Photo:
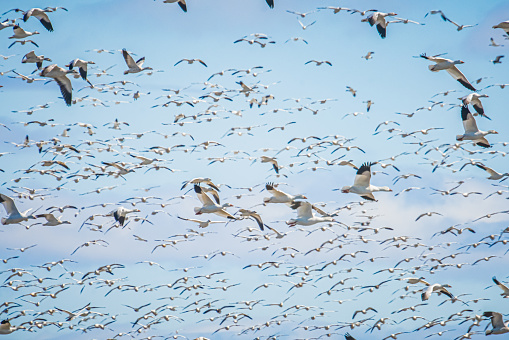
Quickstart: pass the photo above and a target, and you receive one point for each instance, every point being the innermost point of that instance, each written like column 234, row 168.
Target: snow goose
column 134, row 67
column 120, row 214
column 81, row 65
column 31, row 57
column 59, row 75
column 361, row 184
column 494, row 175
column 52, row 220
column 271, row 160
column 436, row 288
column 474, row 100
column 209, row 207
column 279, row 196
column 471, row 131
column 449, row 66
column 6, row 23
column 305, row 214
column 14, row 215
column 503, row 25
column 502, row 286
column 497, row 321
column 20, row 33
column 181, row 3
column 253, row 214
column 378, row 19
column 39, row 14
column 191, row 61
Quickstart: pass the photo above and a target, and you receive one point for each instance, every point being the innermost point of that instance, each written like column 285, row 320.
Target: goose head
column 345, row 189
column 300, row 197
column 384, row 189
column 492, row 132
column 458, row 62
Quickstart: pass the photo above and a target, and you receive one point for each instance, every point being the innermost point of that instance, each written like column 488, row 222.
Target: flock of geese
column 249, row 245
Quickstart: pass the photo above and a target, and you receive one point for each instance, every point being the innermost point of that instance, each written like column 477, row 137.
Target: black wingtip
column 197, row 189
column 365, row 167
column 466, row 84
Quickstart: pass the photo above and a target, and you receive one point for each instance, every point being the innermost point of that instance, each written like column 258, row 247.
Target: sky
column 397, row 82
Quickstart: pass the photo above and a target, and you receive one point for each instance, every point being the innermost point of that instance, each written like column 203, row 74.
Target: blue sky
column 395, row 79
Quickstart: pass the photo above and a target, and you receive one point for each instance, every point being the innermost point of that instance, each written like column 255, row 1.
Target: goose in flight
column 305, row 215
column 494, row 175
column 254, row 215
column 39, row 14
column 436, row 288
column 503, row 25
column 51, row 220
column 120, row 214
column 182, row 3
column 497, row 321
column 59, row 74
column 474, row 100
column 82, row 66
column 471, row 131
column 449, row 66
column 20, row 33
column 378, row 19
column 318, row 63
column 6, row 328
column 31, row 57
column 134, row 67
column 209, row 206
column 191, row 61
column 14, row 215
column 497, row 59
column 362, row 184
column 279, row 196
column 502, row 286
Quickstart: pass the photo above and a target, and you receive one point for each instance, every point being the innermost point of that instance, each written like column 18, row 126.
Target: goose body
column 59, row 74
column 279, row 196
column 378, row 19
column 134, row 67
column 305, row 215
column 503, row 25
column 362, row 186
column 436, row 288
column 31, row 57
column 14, row 216
column 472, row 132
column 120, row 214
column 450, row 67
column 209, row 206
column 20, row 33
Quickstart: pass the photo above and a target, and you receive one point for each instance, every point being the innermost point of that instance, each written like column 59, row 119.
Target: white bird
column 497, row 321
column 20, row 33
column 431, row 213
column 134, row 67
column 191, row 61
column 31, row 57
column 120, row 214
column 362, row 184
column 201, row 224
column 82, row 66
column 306, row 26
column 305, row 214
column 503, row 25
column 436, row 288
column 472, row 132
column 449, row 66
column 59, row 74
column 14, row 215
column 279, row 196
column 181, row 3
column 494, row 175
column 210, row 207
column 378, row 19
column 52, row 220
column 39, row 14
column 474, row 100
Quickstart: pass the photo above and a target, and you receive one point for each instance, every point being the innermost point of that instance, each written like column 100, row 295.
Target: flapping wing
column 363, row 175
column 496, row 319
column 468, row 120
column 128, row 59
column 303, row 208
column 453, row 71
column 8, row 204
column 202, row 196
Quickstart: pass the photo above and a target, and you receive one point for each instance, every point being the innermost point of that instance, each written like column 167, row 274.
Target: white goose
column 279, row 196
column 82, row 66
column 14, row 215
column 494, row 175
column 362, row 186
column 305, row 214
column 378, row 19
column 20, row 33
column 436, row 288
column 134, row 67
column 52, row 220
column 59, row 74
column 503, row 25
column 31, row 57
column 473, row 99
column 209, row 206
column 471, row 131
column 497, row 321
column 120, row 214
column 41, row 15
column 449, row 66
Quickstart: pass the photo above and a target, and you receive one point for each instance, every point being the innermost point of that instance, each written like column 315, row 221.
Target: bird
column 431, row 213
column 20, row 33
column 134, row 67
column 39, row 14
column 474, row 100
column 279, row 196
column 497, row 59
column 59, row 74
column 362, row 184
column 305, row 215
column 378, row 19
column 191, row 61
column 14, row 216
column 254, row 215
column 503, row 25
column 306, row 26
column 120, row 214
column 52, row 220
column 6, row 328
column 472, row 132
column 505, row 290
column 209, row 206
column 82, row 66
column 369, row 55
column 450, row 67
column 497, row 322
column 181, row 3
column 494, row 175
column 318, row 63
column 31, row 57
column 436, row 288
